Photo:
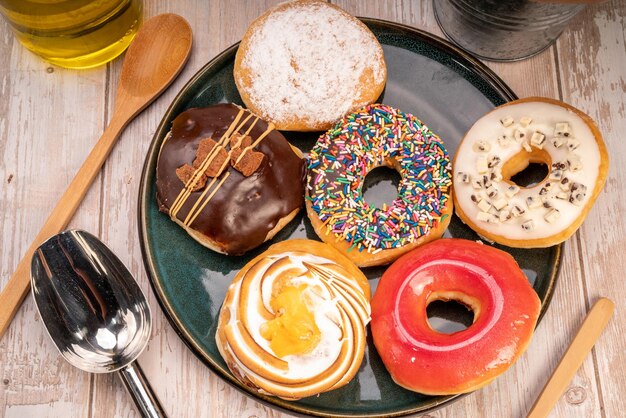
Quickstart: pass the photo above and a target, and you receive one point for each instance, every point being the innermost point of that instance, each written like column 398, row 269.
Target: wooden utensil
column 153, row 60
column 595, row 322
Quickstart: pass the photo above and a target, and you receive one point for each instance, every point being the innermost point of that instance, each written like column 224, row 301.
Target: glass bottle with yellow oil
column 74, row 33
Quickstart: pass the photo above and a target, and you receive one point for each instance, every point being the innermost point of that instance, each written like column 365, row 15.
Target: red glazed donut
column 485, row 279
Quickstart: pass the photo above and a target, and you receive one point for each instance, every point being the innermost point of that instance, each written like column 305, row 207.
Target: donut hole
column 527, row 169
column 532, row 175
column 448, row 316
column 381, row 186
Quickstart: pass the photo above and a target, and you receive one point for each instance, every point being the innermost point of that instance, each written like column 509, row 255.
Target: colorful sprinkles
column 357, row 144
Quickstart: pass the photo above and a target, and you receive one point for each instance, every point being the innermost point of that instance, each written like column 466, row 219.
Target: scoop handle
column 140, row 390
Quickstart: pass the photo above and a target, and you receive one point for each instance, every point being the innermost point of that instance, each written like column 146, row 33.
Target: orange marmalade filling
column 293, row 329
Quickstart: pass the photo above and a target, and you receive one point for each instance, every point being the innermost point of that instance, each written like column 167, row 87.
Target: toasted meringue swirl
column 341, row 311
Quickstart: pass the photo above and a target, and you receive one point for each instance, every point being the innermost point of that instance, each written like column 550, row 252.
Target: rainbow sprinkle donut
column 378, row 135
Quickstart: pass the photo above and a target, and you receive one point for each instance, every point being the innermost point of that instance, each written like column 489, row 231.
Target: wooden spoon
column 153, row 60
column 595, row 322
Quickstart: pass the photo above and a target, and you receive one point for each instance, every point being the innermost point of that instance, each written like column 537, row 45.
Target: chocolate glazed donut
column 238, row 213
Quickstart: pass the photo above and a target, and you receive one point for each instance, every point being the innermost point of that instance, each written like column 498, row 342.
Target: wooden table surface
column 50, row 117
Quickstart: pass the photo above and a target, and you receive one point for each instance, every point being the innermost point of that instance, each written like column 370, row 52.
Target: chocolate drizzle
column 242, row 210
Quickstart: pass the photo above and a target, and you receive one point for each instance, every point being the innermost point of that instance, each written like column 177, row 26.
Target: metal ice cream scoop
column 94, row 310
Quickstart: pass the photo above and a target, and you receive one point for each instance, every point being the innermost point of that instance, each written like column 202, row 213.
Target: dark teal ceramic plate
column 428, row 77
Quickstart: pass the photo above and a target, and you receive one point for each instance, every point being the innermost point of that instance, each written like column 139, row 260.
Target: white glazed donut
column 313, row 343
column 503, row 143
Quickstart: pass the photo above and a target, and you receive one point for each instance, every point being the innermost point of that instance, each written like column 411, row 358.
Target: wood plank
column 44, row 137
column 593, row 78
column 183, row 383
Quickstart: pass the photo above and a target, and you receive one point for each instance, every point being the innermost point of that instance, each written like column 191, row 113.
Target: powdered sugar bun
column 304, row 64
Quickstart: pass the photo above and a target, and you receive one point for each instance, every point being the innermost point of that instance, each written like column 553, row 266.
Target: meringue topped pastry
column 293, row 320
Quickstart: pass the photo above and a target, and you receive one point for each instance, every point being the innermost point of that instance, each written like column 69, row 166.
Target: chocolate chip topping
column 243, row 209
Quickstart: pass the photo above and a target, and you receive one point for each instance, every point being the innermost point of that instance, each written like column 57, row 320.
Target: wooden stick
column 595, row 322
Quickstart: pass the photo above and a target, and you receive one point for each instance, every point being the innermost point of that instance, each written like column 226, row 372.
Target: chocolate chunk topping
column 529, row 225
column 185, row 173
column 481, row 165
column 577, row 198
column 249, row 163
column 574, row 163
column 204, row 149
column 217, row 157
column 500, row 203
column 552, row 215
column 206, row 152
column 487, row 217
column 557, row 142
column 556, row 175
column 579, row 186
column 518, row 211
column 481, row 146
column 217, row 165
column 538, row 139
column 562, row 129
column 494, row 161
column 507, row 121
column 532, row 202
column 484, row 205
column 240, row 141
column 505, row 215
column 572, row 144
column 512, row 190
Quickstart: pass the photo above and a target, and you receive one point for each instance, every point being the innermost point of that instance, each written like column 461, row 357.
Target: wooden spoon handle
column 595, row 322
column 14, row 292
